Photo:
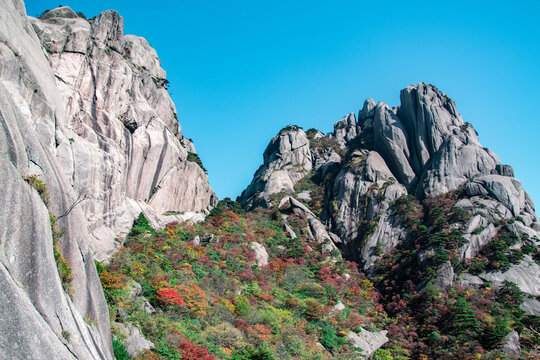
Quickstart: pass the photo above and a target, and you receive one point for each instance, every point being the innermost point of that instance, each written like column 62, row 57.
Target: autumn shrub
column 226, row 335
column 314, row 310
column 194, row 297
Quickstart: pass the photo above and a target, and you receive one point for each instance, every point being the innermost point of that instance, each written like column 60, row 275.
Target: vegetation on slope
column 458, row 322
column 214, row 302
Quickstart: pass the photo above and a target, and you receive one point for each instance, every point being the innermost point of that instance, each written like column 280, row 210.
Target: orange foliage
column 112, row 281
column 194, row 297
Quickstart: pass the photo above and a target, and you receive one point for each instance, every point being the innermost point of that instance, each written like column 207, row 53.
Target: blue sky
column 242, row 70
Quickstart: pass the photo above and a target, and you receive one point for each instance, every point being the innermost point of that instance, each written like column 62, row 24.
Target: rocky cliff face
column 287, row 159
column 118, row 140
column 89, row 137
column 422, row 148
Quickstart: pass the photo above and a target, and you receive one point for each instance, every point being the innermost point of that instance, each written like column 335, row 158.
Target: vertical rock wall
column 85, row 117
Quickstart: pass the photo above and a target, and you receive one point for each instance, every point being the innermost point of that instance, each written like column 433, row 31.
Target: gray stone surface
column 362, row 191
column 345, row 129
column 531, row 306
column 367, row 111
column 287, row 159
column 261, row 256
column 369, row 342
column 526, row 275
column 391, row 141
column 511, row 344
column 118, row 141
column 135, row 341
column 504, row 170
column 469, row 280
column 445, row 276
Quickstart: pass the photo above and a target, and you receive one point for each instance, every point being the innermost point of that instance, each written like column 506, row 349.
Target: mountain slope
column 411, row 195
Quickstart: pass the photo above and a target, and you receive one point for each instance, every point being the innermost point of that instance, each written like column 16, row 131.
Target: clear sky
column 242, row 70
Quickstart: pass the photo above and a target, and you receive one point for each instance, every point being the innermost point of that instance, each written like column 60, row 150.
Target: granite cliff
column 89, row 139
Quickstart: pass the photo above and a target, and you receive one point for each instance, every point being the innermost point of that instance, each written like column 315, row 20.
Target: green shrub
column 120, row 351
column 38, row 185
column 140, row 226
column 329, row 338
column 193, row 157
column 383, row 354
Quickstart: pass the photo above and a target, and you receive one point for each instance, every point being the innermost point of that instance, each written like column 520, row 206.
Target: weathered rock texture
column 423, row 148
column 369, row 342
column 287, row 159
column 84, row 109
column 117, row 139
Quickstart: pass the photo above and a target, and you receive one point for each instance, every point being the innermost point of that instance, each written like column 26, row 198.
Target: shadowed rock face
column 84, row 109
column 423, row 148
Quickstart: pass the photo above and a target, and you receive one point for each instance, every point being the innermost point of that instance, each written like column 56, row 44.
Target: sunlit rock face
column 118, row 140
column 287, row 159
column 422, row 148
column 84, row 111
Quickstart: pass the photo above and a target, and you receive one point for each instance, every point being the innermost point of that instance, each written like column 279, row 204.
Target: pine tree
column 494, row 334
column 465, row 324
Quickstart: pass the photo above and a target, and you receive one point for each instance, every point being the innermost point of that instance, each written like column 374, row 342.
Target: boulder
column 345, row 129
column 368, row 342
column 367, row 112
column 511, row 344
column 261, row 256
column 503, row 170
column 135, row 342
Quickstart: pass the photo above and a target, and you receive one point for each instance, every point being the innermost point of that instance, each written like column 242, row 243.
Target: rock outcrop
column 89, row 139
column 287, row 159
column 117, row 138
column 422, row 148
column 368, row 342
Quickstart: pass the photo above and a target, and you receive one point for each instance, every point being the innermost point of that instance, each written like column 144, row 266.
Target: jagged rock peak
column 287, row 159
column 345, row 129
column 424, row 148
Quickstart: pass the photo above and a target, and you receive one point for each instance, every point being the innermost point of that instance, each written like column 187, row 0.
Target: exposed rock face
column 511, row 344
column 345, row 130
column 135, row 341
column 526, row 275
column 422, row 148
column 84, row 111
column 287, row 159
column 369, row 342
column 362, row 191
column 118, row 140
column 261, row 256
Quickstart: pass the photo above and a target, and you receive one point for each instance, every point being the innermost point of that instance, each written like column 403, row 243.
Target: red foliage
column 242, row 324
column 266, row 297
column 170, row 296
column 194, row 352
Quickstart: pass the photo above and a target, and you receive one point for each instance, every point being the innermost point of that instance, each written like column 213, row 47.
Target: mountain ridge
column 398, row 216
